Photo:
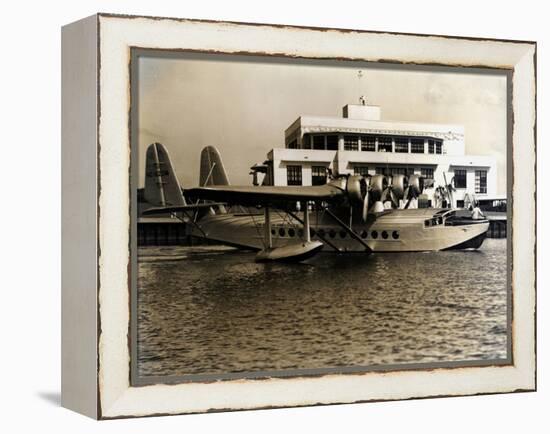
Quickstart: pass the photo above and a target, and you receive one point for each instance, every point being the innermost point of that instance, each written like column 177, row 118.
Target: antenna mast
column 362, row 98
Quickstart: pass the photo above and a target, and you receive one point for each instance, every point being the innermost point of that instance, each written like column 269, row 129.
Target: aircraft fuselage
column 400, row 230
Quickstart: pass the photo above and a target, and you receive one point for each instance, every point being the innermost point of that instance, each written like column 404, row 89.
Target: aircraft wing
column 265, row 194
column 177, row 208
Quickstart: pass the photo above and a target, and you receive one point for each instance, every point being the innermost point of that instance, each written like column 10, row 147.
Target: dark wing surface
column 182, row 208
column 265, row 195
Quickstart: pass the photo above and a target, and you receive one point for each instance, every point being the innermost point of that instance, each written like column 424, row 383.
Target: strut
column 349, row 230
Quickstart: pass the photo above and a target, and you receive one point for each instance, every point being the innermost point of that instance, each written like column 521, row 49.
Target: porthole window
column 273, row 231
column 312, row 232
column 374, row 234
column 364, row 234
column 332, row 233
column 281, row 232
column 321, row 232
column 385, row 235
column 343, row 234
column 300, row 233
column 395, row 235
column 291, row 232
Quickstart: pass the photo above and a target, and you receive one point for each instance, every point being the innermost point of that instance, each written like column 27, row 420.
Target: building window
column 427, row 172
column 417, row 146
column 460, row 178
column 390, row 171
column 294, row 175
column 435, row 146
column 351, row 143
column 361, row 170
column 401, row 145
column 332, row 143
column 398, row 171
column 318, row 175
column 293, row 144
column 368, row 143
column 384, row 144
column 306, row 142
column 481, row 181
column 318, row 142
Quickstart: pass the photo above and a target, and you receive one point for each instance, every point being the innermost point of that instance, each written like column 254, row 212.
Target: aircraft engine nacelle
column 416, row 185
column 357, row 189
column 379, row 183
column 399, row 185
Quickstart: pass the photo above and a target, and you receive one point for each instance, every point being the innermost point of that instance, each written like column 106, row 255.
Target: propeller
column 414, row 189
column 358, row 193
column 388, row 194
column 394, row 189
column 380, row 188
column 449, row 188
column 366, row 202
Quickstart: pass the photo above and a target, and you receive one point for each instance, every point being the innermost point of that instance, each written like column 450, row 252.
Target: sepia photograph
column 296, row 217
column 259, row 216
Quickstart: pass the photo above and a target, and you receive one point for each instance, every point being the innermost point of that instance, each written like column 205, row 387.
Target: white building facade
column 361, row 143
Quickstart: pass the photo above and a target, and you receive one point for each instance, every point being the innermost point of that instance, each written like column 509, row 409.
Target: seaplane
column 348, row 214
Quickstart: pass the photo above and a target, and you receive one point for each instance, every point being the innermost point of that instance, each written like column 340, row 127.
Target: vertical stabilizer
column 212, row 171
column 161, row 185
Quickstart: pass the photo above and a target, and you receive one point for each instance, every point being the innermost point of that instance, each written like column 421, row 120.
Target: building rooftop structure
column 360, row 142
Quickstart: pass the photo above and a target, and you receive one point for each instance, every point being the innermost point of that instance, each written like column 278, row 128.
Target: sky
column 243, row 104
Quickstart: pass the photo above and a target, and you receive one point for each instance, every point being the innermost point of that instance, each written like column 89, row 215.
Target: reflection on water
column 213, row 310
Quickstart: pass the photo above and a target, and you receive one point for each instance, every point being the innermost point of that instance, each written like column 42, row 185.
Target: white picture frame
column 96, row 260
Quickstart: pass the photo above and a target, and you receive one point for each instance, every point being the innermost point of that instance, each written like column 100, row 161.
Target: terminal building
column 360, row 142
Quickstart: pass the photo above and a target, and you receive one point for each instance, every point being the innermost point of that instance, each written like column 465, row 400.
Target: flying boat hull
column 410, row 230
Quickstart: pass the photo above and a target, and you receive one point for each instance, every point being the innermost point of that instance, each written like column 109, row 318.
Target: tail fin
column 212, row 171
column 161, row 185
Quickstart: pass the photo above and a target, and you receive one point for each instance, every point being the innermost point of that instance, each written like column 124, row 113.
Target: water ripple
column 213, row 310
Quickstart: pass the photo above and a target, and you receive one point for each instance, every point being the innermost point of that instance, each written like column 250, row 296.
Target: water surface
column 213, row 310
